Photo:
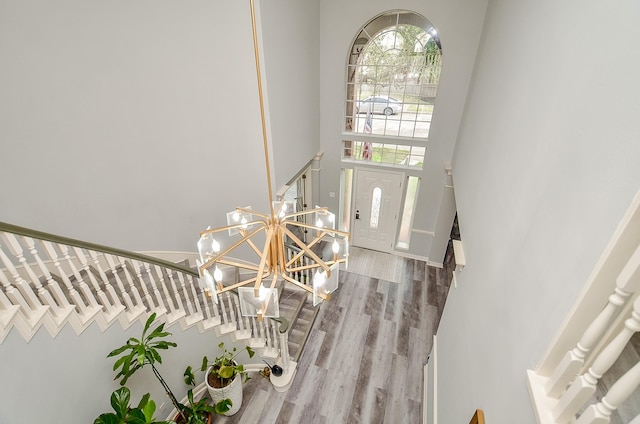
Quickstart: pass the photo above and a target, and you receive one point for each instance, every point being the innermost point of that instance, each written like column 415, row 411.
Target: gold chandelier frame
column 276, row 227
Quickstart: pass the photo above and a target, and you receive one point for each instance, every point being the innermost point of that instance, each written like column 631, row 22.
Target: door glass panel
column 375, row 207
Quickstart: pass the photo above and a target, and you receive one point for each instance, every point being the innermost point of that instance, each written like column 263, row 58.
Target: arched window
column 392, row 81
column 393, row 71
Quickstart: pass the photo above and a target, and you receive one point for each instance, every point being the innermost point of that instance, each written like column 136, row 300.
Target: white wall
column 290, row 31
column 136, row 124
column 133, row 113
column 544, row 169
column 459, row 24
column 69, row 379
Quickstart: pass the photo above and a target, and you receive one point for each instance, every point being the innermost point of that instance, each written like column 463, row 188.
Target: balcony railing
column 564, row 387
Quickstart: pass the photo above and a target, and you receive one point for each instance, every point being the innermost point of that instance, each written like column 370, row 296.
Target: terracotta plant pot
column 231, row 391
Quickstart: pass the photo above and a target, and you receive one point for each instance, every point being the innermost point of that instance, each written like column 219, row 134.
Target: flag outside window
column 367, row 150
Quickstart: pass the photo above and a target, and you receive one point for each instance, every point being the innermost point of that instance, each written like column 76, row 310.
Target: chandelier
column 276, row 240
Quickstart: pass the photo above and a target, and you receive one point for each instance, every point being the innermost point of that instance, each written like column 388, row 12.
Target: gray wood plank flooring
column 364, row 358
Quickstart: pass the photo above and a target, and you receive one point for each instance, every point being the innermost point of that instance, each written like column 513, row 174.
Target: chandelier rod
column 262, row 118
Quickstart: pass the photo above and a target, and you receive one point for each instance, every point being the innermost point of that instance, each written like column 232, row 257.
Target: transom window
column 390, row 154
column 393, row 75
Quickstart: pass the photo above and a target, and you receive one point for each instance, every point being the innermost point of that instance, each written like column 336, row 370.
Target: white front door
column 376, row 207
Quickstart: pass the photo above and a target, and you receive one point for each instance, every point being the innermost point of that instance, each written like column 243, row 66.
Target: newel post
column 289, row 368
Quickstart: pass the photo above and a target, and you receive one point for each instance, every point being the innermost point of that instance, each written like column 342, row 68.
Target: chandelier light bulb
column 236, row 216
column 319, row 223
column 335, row 247
column 244, row 223
column 217, row 274
column 215, row 245
column 319, row 278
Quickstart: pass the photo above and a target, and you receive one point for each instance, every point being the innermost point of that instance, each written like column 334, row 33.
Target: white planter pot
column 233, row 391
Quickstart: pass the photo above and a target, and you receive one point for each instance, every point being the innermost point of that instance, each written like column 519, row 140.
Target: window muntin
column 390, row 154
column 393, row 75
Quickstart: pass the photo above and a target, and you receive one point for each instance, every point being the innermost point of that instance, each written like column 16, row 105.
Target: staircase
column 51, row 281
column 296, row 306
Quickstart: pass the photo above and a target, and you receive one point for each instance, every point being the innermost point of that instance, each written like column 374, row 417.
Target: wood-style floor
column 364, row 359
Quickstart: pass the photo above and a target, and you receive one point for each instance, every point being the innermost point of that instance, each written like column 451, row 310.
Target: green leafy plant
column 224, row 368
column 125, row 414
column 137, row 353
column 219, row 408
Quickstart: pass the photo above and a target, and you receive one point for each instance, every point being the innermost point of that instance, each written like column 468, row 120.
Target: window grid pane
column 393, row 74
column 390, row 154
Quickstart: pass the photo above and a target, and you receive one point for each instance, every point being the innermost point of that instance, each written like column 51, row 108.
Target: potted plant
column 196, row 410
column 224, row 376
column 125, row 414
column 137, row 353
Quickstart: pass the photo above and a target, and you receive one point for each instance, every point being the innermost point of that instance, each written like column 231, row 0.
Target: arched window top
column 396, row 18
column 393, row 74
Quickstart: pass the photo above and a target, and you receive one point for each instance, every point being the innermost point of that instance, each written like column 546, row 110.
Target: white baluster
column 192, row 283
column 137, row 268
column 31, row 313
column 7, row 312
column 22, row 285
column 123, row 292
column 628, row 282
column 44, row 295
column 206, row 300
column 255, row 328
column 216, row 307
column 61, row 299
column 127, row 268
column 239, row 315
column 135, row 308
column 267, row 334
column 154, row 286
column 223, row 311
column 73, row 293
column 13, row 294
column 190, row 305
column 167, row 296
column 176, row 293
column 600, row 413
column 115, row 300
column 82, row 285
column 308, row 276
column 104, row 300
column 585, row 385
column 232, row 314
column 247, row 324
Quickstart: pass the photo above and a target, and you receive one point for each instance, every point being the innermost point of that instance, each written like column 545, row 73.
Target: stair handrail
column 41, row 235
column 28, row 232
